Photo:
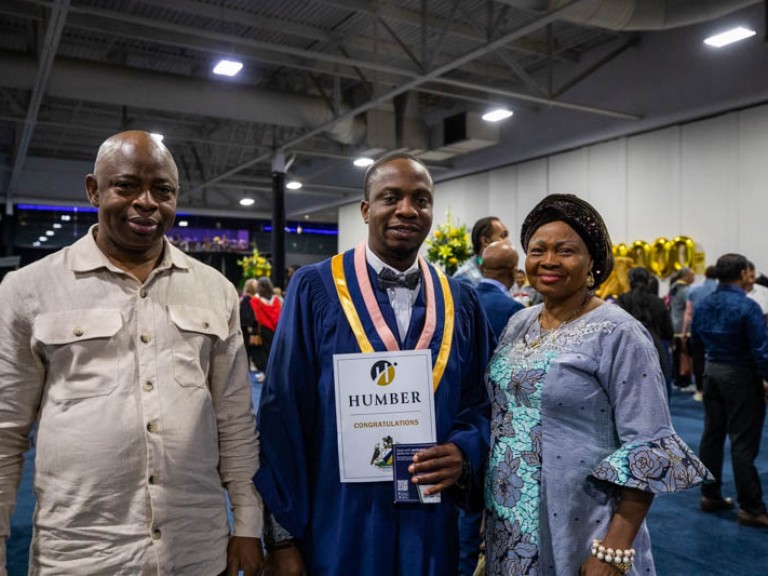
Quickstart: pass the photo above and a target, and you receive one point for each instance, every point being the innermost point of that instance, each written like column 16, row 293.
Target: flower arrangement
column 255, row 265
column 449, row 245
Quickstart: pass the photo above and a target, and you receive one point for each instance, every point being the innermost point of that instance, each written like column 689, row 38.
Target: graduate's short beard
column 403, row 253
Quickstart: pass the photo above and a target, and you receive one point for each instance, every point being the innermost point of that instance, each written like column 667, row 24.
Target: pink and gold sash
column 372, row 307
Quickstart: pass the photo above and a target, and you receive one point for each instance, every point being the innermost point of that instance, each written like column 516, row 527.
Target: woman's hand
column 594, row 567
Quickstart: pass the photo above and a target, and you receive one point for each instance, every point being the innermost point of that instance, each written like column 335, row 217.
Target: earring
column 590, row 279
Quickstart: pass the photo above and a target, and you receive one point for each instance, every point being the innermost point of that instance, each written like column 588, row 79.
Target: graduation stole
column 382, row 329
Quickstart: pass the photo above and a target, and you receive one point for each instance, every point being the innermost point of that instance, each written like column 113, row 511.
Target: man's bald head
column 126, row 143
column 500, row 262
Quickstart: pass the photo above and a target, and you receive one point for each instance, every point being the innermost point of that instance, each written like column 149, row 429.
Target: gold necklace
column 554, row 333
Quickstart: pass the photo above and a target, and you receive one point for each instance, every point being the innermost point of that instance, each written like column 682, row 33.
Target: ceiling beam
column 231, row 40
column 539, row 100
column 50, row 45
column 536, row 24
column 194, row 35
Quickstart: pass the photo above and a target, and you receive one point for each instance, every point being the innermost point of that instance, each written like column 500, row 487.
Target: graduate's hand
column 285, row 562
column 440, row 465
column 244, row 554
column 594, row 567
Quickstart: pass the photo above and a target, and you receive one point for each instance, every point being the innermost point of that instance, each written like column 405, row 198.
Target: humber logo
column 383, row 373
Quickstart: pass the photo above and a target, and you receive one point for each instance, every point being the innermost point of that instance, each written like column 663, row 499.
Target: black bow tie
column 388, row 278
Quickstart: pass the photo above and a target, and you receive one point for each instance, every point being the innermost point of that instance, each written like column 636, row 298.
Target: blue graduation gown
column 354, row 528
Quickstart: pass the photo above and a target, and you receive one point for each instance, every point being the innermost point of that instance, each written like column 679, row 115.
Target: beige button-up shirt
column 144, row 408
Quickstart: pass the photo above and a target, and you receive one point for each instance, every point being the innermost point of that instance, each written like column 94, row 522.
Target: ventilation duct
column 382, row 133
column 460, row 134
column 638, row 14
column 102, row 83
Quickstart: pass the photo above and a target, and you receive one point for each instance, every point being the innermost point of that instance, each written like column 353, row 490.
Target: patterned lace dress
column 578, row 412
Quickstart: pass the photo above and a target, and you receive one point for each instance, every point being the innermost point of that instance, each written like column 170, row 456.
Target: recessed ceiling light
column 49, row 232
column 56, row 225
column 66, row 217
column 247, row 202
column 156, row 137
column 36, row 243
column 183, row 223
column 43, row 238
column 293, row 185
column 729, row 37
column 363, row 162
column 227, row 67
column 497, row 115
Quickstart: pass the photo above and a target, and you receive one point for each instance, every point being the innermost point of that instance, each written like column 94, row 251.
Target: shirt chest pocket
column 197, row 331
column 82, row 352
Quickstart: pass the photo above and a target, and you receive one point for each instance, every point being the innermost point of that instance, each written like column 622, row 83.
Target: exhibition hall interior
column 654, row 111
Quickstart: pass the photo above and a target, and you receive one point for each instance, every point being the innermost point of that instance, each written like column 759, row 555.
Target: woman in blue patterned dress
column 581, row 436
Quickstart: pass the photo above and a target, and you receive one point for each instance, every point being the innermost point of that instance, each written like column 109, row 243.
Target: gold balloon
column 663, row 257
column 660, row 257
column 620, row 250
column 640, row 252
column 682, row 253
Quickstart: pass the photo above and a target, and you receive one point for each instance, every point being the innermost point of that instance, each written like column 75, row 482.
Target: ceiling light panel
column 729, row 37
column 227, row 67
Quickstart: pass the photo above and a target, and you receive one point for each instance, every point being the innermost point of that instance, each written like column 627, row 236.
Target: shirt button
column 156, row 534
column 148, row 386
column 143, row 293
column 152, row 426
column 146, row 338
column 205, row 324
column 78, row 331
column 153, row 479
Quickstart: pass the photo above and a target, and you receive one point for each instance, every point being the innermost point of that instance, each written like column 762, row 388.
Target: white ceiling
column 325, row 80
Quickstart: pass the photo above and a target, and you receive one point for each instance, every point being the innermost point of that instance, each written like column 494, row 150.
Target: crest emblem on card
column 382, row 453
column 383, row 373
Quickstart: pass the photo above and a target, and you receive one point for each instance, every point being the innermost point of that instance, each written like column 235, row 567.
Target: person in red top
column 266, row 308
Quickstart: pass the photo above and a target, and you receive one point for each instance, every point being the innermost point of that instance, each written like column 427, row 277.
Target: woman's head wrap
column 583, row 218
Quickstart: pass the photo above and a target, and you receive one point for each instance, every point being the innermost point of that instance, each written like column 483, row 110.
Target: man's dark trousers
column 734, row 405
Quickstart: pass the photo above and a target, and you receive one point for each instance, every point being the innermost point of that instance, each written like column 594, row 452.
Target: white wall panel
column 467, row 198
column 607, row 184
column 503, row 198
column 752, row 175
column 568, row 173
column 709, row 188
column 532, row 186
column 653, row 185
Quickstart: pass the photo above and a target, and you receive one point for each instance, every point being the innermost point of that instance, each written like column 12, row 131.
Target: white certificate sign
column 382, row 399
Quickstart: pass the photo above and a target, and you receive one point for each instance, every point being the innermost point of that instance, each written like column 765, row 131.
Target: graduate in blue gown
column 316, row 522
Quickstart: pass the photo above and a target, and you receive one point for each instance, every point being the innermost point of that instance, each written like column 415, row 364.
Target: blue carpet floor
column 686, row 542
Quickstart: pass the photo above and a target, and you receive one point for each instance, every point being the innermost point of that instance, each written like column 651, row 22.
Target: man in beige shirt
column 129, row 355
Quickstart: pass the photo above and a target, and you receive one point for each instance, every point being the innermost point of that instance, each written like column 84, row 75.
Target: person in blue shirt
column 696, row 294
column 732, row 330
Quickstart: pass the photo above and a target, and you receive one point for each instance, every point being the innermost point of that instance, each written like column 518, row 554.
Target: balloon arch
column 663, row 257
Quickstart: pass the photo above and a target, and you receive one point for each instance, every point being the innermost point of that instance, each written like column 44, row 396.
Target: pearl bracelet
column 620, row 559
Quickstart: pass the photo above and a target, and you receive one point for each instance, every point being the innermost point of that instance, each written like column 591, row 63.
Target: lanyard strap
column 382, row 329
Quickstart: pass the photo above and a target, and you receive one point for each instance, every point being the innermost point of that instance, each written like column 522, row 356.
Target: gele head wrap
column 584, row 219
